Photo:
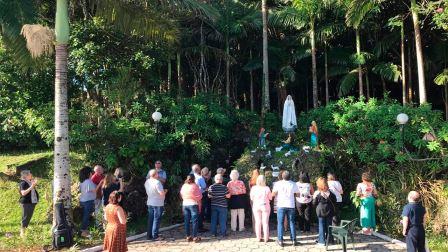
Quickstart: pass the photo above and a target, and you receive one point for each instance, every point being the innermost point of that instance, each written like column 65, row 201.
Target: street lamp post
column 156, row 116
column 402, row 119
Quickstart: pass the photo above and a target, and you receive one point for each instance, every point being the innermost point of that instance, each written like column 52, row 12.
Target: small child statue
column 262, row 138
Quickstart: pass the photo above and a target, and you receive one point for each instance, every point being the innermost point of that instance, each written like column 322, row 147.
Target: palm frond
column 442, row 78
column 287, row 17
column 301, row 53
column 138, row 19
column 385, row 44
column 357, row 11
column 39, row 39
column 348, row 82
column 388, row 71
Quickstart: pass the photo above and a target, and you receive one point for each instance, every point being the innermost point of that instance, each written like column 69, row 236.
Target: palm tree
column 419, row 53
column 265, row 104
column 357, row 11
column 40, row 42
column 303, row 14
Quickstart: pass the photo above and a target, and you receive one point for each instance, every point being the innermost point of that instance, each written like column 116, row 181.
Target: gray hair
column 286, row 175
column 218, row 177
column 24, row 174
column 152, row 173
column 196, row 168
column 261, row 180
column 234, row 175
column 413, row 196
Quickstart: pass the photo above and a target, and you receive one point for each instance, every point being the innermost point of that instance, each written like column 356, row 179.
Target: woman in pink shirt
column 260, row 194
column 191, row 205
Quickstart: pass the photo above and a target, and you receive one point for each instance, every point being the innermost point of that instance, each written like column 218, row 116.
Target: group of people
column 207, row 199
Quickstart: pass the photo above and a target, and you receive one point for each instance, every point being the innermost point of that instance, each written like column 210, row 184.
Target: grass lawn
column 38, row 234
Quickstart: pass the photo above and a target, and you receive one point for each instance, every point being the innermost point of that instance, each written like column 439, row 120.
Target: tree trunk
column 358, row 52
column 266, row 103
column 252, row 102
column 327, row 95
column 227, row 70
column 403, row 66
column 419, row 53
column 410, row 84
column 314, row 66
column 367, row 85
column 446, row 102
column 168, row 81
column 61, row 177
column 179, row 76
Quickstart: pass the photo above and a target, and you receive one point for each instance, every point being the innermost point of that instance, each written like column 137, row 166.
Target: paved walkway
column 246, row 242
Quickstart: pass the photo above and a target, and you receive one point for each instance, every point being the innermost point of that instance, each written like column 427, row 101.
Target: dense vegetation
column 206, row 66
column 358, row 136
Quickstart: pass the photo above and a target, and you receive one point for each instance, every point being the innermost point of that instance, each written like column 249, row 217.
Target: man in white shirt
column 285, row 191
column 156, row 199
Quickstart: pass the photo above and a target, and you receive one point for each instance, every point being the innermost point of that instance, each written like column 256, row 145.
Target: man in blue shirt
column 200, row 181
column 162, row 174
column 413, row 223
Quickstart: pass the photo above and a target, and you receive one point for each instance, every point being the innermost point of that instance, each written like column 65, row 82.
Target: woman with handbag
column 367, row 192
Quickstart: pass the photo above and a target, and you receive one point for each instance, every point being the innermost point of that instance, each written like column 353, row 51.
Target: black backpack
column 62, row 232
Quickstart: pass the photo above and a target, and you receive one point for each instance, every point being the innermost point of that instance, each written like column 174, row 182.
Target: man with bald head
column 413, row 223
column 156, row 200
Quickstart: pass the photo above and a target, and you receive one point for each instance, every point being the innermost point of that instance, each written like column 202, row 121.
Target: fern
column 442, row 78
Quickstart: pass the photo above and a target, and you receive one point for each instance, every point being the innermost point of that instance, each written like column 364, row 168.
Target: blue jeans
column 88, row 207
column 219, row 214
column 154, row 217
column 324, row 222
column 290, row 213
column 191, row 213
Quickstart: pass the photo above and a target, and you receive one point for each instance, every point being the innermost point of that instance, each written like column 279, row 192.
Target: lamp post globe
column 402, row 118
column 156, row 116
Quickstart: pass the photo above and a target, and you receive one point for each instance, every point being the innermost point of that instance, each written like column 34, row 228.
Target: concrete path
column 174, row 241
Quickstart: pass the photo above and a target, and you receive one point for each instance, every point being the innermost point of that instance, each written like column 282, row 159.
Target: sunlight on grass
column 38, row 233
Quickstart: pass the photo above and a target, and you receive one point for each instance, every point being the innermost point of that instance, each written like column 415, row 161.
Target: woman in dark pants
column 28, row 198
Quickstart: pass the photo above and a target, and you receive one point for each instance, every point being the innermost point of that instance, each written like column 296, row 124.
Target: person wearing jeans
column 324, row 201
column 218, row 194
column 87, row 198
column 285, row 191
column 260, row 195
column 156, row 199
column 154, row 217
column 191, row 202
column 200, row 181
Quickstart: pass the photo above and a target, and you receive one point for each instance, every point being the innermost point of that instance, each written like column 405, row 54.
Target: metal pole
column 402, row 137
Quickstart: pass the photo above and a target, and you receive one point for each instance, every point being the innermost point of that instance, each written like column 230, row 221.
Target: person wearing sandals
column 367, row 192
column 191, row 207
column 28, row 198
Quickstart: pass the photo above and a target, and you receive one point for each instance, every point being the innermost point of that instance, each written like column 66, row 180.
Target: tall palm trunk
column 227, row 70
column 358, row 52
column 419, row 54
column 367, row 85
column 252, row 102
column 179, row 76
column 266, row 102
column 410, row 84
column 168, row 81
column 403, row 66
column 327, row 95
column 61, row 177
column 314, row 65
